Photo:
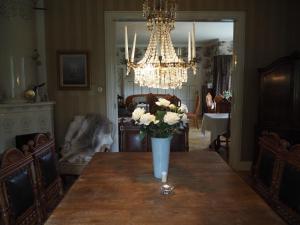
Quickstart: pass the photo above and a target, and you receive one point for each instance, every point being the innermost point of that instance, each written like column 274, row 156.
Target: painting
column 73, row 71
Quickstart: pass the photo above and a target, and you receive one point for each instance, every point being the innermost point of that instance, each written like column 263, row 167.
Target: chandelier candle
column 133, row 48
column 193, row 42
column 126, row 44
column 189, row 48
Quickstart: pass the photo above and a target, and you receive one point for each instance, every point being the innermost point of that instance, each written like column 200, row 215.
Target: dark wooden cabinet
column 279, row 109
column 130, row 141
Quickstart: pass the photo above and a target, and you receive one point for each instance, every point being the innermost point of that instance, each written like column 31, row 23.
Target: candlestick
column 12, row 74
column 189, row 47
column 126, row 44
column 133, row 48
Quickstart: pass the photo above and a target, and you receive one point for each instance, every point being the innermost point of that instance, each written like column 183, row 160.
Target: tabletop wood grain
column 119, row 189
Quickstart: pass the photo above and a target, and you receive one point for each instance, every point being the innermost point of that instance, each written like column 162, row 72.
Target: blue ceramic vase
column 160, row 155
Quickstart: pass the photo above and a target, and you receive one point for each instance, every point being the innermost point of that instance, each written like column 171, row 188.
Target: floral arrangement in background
column 227, row 94
column 167, row 120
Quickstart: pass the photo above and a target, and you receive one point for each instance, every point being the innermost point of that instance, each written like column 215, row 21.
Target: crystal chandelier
column 161, row 67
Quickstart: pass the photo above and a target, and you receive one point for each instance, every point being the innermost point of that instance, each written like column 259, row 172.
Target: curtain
column 222, row 73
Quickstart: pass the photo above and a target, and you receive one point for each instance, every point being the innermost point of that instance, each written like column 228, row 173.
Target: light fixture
column 161, row 67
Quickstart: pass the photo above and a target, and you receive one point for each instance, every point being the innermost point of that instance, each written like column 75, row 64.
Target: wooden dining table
column 120, row 189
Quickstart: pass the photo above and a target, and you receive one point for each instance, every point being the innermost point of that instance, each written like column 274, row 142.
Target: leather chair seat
column 20, row 192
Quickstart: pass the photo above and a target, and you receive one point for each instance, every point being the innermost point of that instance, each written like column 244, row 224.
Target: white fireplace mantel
column 24, row 118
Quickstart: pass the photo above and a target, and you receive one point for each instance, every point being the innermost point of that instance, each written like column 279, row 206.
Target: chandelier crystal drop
column 161, row 67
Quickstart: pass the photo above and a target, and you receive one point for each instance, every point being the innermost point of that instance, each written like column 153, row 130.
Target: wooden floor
column 199, row 141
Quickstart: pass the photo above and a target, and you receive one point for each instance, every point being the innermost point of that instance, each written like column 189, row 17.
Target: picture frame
column 73, row 70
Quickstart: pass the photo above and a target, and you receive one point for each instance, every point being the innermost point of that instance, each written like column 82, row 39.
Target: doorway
column 111, row 20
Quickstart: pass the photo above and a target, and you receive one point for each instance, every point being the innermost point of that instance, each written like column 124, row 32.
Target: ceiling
column 205, row 31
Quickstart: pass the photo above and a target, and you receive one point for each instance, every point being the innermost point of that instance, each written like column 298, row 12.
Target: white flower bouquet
column 167, row 120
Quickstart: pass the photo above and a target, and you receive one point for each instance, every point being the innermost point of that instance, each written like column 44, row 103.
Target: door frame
column 236, row 125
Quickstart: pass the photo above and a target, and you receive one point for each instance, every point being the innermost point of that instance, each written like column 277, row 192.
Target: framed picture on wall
column 73, row 70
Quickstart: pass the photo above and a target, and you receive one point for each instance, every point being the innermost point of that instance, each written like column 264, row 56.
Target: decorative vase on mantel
column 160, row 155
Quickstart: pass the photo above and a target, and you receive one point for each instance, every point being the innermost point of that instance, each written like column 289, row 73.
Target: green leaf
column 142, row 135
column 160, row 115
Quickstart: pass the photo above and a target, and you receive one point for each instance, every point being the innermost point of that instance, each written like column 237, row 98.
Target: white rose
column 146, row 119
column 184, row 119
column 137, row 113
column 163, row 102
column 183, row 108
column 172, row 106
column 171, row 118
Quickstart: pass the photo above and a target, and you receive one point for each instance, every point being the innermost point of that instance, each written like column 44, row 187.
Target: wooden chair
column 150, row 99
column 18, row 193
column 180, row 141
column 222, row 104
column 224, row 138
column 48, row 180
column 194, row 116
column 130, row 140
column 287, row 186
column 271, row 148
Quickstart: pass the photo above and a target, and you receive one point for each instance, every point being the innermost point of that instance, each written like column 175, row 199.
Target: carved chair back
column 222, row 104
column 46, row 170
column 271, row 149
column 130, row 140
column 287, row 186
column 18, row 194
column 150, row 99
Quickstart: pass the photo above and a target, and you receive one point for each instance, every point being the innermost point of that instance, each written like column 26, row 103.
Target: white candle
column 164, row 176
column 189, row 47
column 23, row 79
column 133, row 48
column 12, row 74
column 193, row 42
column 126, row 44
